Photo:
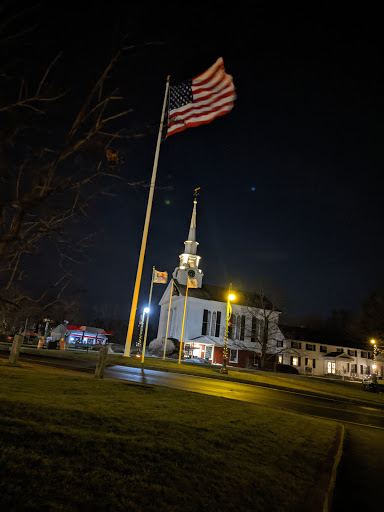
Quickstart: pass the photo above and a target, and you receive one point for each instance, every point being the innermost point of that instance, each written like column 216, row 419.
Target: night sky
column 291, row 180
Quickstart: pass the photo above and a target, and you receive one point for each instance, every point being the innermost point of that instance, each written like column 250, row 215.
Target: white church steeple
column 189, row 261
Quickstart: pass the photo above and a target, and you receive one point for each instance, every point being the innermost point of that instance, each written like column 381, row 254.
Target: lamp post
column 374, row 366
column 146, row 310
column 230, row 297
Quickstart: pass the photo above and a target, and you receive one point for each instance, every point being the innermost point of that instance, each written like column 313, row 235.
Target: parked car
column 198, row 360
column 286, row 368
column 374, row 383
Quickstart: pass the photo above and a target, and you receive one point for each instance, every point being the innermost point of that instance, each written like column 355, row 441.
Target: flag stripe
column 191, row 111
column 203, row 120
column 209, row 95
column 203, row 105
column 219, row 64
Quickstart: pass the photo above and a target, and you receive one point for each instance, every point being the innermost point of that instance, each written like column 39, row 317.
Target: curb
column 319, row 497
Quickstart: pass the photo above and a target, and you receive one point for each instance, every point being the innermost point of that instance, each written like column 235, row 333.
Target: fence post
column 15, row 349
column 101, row 361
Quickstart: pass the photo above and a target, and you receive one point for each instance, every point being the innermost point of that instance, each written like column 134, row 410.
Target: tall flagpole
column 169, row 311
column 145, row 232
column 182, row 328
column 146, row 324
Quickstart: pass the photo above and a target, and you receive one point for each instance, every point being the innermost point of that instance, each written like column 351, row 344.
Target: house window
column 253, row 329
column 340, row 350
column 311, row 363
column 280, row 359
column 242, row 328
column 352, row 352
column 295, row 344
column 353, row 368
column 362, row 369
column 206, row 322
column 280, row 343
column 370, row 355
column 364, row 354
column 218, row 321
column 309, row 346
column 323, row 348
column 233, row 356
column 295, row 361
column 331, row 366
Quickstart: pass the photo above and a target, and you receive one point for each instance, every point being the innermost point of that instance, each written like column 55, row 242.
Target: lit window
column 295, row 361
column 280, row 359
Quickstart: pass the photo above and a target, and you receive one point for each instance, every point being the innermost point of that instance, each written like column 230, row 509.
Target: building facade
column 312, row 355
column 253, row 332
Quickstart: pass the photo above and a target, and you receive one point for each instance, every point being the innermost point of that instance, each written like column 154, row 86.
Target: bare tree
column 256, row 323
column 51, row 170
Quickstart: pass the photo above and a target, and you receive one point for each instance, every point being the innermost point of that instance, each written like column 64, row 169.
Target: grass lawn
column 76, row 443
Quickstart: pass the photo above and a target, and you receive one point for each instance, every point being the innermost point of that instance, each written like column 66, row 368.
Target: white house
column 311, row 353
column 205, row 316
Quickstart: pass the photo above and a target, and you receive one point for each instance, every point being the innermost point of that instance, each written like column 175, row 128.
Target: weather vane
column 196, row 192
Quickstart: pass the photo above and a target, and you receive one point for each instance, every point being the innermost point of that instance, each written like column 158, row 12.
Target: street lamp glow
column 146, row 310
column 231, row 296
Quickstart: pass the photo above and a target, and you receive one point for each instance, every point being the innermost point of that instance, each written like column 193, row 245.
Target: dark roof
column 220, row 294
column 324, row 336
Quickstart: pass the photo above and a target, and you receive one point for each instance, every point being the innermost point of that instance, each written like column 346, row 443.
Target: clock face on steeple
column 191, row 273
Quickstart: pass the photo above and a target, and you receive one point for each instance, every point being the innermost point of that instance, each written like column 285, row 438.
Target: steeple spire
column 189, row 261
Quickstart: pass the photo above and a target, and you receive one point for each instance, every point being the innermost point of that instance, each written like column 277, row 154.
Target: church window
column 253, row 329
column 238, row 323
column 206, row 322
column 242, row 327
column 170, row 329
column 213, row 324
column 218, row 320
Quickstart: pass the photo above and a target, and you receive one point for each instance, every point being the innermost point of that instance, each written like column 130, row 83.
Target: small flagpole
column 182, row 328
column 136, row 290
column 169, row 311
column 146, row 324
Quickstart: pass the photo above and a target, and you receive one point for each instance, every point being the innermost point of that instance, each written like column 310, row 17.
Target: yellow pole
column 169, row 311
column 182, row 328
column 146, row 324
column 145, row 232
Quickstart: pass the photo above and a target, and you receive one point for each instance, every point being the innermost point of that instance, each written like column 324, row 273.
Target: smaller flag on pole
column 192, row 283
column 201, row 100
column 160, row 277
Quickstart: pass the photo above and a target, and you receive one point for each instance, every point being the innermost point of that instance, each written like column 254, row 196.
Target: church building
column 253, row 332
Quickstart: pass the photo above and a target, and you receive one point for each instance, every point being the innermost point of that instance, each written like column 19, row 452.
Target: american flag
column 201, row 100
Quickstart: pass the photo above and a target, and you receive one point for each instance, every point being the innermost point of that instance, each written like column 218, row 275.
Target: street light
column 231, row 297
column 145, row 311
